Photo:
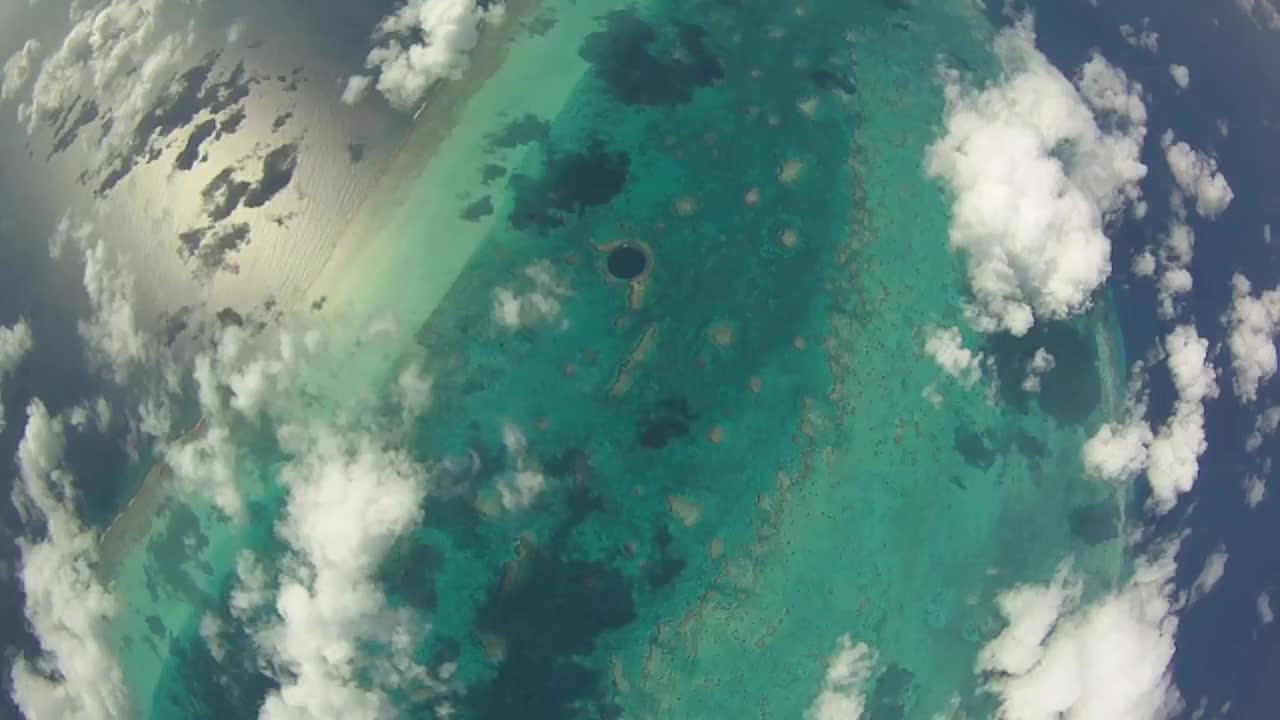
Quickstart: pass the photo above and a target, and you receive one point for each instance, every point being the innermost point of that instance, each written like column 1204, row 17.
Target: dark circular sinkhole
column 627, row 262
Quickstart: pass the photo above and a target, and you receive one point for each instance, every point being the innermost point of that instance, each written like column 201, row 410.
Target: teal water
column 729, row 462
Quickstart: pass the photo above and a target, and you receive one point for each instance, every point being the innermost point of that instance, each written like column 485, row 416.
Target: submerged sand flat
column 745, row 453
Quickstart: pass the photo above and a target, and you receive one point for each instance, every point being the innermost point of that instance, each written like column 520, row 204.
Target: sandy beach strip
column 434, row 122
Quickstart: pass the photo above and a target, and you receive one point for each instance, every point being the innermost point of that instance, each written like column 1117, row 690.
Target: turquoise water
column 744, row 453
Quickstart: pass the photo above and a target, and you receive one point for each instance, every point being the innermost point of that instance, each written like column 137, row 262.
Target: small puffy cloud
column 946, row 347
column 75, row 676
column 1174, row 282
column 1108, row 660
column 425, row 42
column 413, row 390
column 1255, row 490
column 1181, row 75
column 205, row 462
column 1118, row 452
column 843, row 694
column 519, row 488
column 1175, row 257
column 1176, row 449
column 1144, row 264
column 1041, row 363
column 1266, row 615
column 1143, row 37
column 1197, row 176
column 15, row 343
column 535, row 301
column 1263, row 425
column 252, row 589
column 1254, row 323
column 98, row 412
column 17, row 69
column 1029, row 217
column 1214, row 567
column 353, row 92
column 235, row 31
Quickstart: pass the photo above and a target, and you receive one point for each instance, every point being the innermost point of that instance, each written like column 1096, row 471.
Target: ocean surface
column 669, row 268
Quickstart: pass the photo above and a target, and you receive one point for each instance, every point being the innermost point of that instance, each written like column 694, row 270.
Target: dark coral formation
column 628, row 55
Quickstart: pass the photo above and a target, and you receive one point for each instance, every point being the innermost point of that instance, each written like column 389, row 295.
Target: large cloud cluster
column 76, row 676
column 1170, row 456
column 121, row 53
column 1058, row 660
column 1035, row 179
column 350, row 499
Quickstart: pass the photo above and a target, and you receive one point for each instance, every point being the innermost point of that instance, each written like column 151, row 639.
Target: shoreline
column 434, row 121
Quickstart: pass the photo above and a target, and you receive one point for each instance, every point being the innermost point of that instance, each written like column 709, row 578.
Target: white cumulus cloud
column 1041, row 363
column 1177, row 447
column 122, row 54
column 115, row 340
column 1181, row 75
column 1255, row 490
column 1197, row 176
column 1254, row 323
column 75, row 676
column 424, row 42
column 1118, row 452
column 520, row 487
column 1143, row 37
column 535, row 301
column 1029, row 216
column 946, row 347
column 17, row 69
column 205, row 462
column 350, row 499
column 1108, row 660
column 1175, row 258
column 1170, row 455
column 1215, row 565
column 15, row 343
column 1265, row 424
column 843, row 694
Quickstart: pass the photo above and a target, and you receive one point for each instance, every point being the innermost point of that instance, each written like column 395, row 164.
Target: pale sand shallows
column 134, row 521
column 402, row 250
column 407, row 245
